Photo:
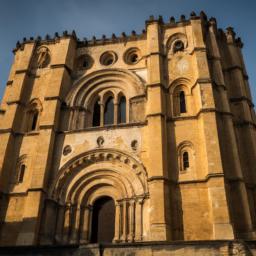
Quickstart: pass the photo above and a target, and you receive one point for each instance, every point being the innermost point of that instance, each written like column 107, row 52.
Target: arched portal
column 103, row 220
column 105, row 188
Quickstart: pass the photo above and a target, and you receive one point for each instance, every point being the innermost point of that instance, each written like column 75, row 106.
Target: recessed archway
column 103, row 220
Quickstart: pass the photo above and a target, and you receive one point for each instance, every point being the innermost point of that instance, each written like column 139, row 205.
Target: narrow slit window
column 185, row 160
column 122, row 110
column 34, row 121
column 182, row 102
column 109, row 111
column 21, row 173
column 96, row 114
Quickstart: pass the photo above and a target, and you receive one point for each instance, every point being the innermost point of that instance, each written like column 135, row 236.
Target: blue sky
column 27, row 18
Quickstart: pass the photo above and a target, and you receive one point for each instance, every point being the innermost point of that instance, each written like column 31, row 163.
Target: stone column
column 75, row 224
column 85, row 224
column 117, row 222
column 115, row 112
column 138, row 220
column 124, row 220
column 101, row 114
column 60, row 223
column 131, row 220
column 66, row 229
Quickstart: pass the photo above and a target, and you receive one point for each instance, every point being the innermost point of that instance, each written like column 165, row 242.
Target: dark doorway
column 103, row 220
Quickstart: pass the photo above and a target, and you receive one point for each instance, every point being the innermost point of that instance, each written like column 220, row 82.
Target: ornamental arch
column 101, row 85
column 83, row 181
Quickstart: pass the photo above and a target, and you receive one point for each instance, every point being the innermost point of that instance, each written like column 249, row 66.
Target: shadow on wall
column 175, row 192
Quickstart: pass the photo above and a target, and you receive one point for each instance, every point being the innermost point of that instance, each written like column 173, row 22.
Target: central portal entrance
column 103, row 220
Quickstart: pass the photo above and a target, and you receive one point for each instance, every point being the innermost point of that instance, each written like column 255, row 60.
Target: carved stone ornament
column 67, row 149
column 134, row 145
column 100, row 141
column 43, row 57
column 239, row 249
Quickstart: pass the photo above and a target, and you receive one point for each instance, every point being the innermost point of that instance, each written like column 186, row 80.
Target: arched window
column 96, row 114
column 185, row 160
column 122, row 110
column 182, row 100
column 109, row 111
column 21, row 173
column 33, row 112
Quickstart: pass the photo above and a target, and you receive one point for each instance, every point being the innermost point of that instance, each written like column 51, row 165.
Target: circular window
column 108, row 58
column 132, row 56
column 84, row 62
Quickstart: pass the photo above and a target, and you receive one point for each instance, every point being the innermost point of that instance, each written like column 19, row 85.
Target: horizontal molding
column 240, row 124
column 48, row 98
column 108, row 127
column 22, row 71
column 62, row 66
column 46, row 127
column 155, row 85
column 24, row 193
column 170, row 181
column 206, row 179
column 202, row 111
column 232, row 68
column 159, row 178
column 15, row 102
column 156, row 53
column 242, row 98
column 155, row 115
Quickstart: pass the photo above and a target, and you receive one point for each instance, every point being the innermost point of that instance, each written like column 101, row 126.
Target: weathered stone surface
column 162, row 123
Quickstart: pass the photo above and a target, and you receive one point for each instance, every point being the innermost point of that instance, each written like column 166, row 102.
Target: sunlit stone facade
column 155, row 130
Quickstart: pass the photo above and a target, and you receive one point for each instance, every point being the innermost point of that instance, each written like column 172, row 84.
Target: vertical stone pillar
column 85, row 224
column 117, row 222
column 75, row 224
column 101, row 114
column 131, row 220
column 60, row 222
column 124, row 220
column 66, row 229
column 138, row 220
column 115, row 112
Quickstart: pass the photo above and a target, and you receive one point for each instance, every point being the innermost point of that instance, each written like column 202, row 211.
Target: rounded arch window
column 108, row 58
column 132, row 56
column 186, row 156
column 109, row 111
column 122, row 110
column 32, row 115
column 180, row 101
column 185, row 160
column 96, row 114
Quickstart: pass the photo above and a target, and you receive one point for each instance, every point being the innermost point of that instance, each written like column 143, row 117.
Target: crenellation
column 155, row 126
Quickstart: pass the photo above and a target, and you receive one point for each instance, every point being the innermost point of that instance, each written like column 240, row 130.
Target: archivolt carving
column 181, row 81
column 87, row 87
column 100, row 169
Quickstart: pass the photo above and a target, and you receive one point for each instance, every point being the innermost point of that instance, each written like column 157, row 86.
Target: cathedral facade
column 142, row 137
